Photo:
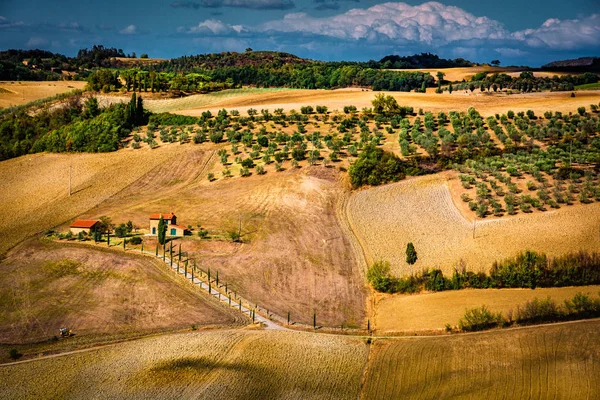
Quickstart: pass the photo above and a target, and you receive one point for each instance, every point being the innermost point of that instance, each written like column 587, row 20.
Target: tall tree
column 411, row 254
column 139, row 112
column 162, row 231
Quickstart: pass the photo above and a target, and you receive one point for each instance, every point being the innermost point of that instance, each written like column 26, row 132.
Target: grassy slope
column 553, row 361
column 435, row 310
column 295, row 256
column 225, row 364
column 96, row 291
column 421, row 210
column 21, row 92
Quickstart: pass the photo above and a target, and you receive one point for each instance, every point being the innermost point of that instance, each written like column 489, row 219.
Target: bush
column 537, row 311
column 135, row 240
column 169, row 119
column 14, row 354
column 478, row 319
column 378, row 276
column 375, row 166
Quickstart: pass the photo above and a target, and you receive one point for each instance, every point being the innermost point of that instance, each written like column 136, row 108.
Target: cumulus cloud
column 214, row 27
column 429, row 23
column 129, row 30
column 563, row 34
column 251, row 4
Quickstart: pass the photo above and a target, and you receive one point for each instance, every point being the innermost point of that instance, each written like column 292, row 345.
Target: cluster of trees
column 40, row 65
column 525, row 82
column 108, row 80
column 271, row 69
column 536, row 311
column 423, row 60
column 375, row 166
column 76, row 125
column 528, row 270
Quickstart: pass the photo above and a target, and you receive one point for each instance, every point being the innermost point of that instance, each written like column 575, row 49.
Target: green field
column 589, row 86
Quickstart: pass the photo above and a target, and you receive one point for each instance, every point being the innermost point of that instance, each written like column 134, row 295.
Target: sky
column 514, row 31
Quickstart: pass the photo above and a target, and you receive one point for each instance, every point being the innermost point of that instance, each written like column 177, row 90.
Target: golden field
column 22, row 92
column 551, row 361
column 97, row 292
column 432, row 311
column 422, row 210
column 233, row 364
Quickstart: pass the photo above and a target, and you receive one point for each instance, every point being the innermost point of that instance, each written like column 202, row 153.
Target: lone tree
column 162, row 231
column 411, row 254
column 495, row 63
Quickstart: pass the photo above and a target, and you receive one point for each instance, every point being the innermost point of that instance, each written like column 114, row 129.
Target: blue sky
column 514, row 31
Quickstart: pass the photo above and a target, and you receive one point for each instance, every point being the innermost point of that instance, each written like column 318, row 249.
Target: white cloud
column 5, row 23
column 129, row 30
column 567, row 34
column 215, row 27
column 431, row 23
column 427, row 26
column 510, row 52
column 36, row 42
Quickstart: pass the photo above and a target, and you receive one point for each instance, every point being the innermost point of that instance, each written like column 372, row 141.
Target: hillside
column 577, row 64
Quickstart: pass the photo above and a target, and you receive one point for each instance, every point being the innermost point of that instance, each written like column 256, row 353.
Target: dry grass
column 559, row 361
column 430, row 311
column 95, row 291
column 552, row 361
column 486, row 103
column 21, row 92
column 35, row 192
column 295, row 255
column 421, row 210
column 182, row 103
column 212, row 365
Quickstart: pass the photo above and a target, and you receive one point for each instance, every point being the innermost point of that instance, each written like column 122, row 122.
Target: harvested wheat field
column 486, row 103
column 295, row 254
column 551, row 361
column 421, row 210
column 181, row 103
column 21, row 92
column 212, row 365
column 35, row 194
column 46, row 285
column 431, row 311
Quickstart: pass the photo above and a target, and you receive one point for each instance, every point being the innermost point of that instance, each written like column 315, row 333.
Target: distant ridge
column 577, row 64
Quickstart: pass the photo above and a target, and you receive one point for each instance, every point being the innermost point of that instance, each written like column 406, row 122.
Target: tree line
column 529, row 269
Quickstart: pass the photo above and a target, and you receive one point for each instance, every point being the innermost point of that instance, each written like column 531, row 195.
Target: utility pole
column 474, row 227
column 70, row 173
column 240, row 228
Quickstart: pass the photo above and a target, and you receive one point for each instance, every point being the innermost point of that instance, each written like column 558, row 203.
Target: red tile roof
column 179, row 226
column 84, row 223
column 168, row 216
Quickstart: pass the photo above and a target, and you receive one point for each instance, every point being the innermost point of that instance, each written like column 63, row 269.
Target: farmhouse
column 171, row 220
column 84, row 225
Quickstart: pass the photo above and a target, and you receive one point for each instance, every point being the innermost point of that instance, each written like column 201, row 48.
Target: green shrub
column 478, row 319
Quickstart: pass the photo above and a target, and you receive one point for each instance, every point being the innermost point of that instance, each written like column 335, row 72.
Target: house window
column 173, row 231
column 154, row 230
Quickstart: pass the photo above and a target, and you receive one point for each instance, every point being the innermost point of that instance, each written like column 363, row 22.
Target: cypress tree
column 139, row 112
column 162, row 231
column 411, row 254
